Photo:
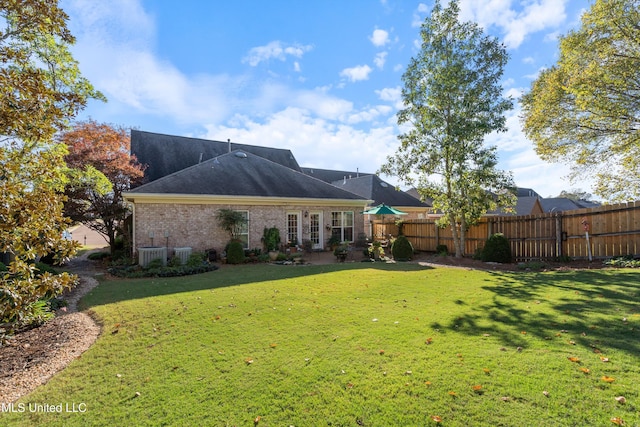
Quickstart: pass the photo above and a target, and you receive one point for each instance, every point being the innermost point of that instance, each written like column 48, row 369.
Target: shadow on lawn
column 112, row 291
column 596, row 309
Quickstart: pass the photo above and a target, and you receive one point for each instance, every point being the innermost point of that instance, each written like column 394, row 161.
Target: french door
column 315, row 230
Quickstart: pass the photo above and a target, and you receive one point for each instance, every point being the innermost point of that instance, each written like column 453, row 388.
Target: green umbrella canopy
column 383, row 210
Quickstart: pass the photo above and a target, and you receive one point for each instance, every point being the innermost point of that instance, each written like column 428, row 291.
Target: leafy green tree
column 231, row 221
column 99, row 154
column 585, row 110
column 40, row 91
column 453, row 99
column 575, row 194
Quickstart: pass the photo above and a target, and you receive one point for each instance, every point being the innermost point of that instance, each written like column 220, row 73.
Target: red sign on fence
column 585, row 224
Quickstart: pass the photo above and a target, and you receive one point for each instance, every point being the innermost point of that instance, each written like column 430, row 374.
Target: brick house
column 191, row 180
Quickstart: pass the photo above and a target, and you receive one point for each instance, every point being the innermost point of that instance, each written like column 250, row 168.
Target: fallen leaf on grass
column 248, row 361
column 256, row 420
column 621, row 399
column 380, row 352
column 546, row 393
column 604, row 359
column 486, row 371
column 524, row 332
column 427, row 382
column 505, row 398
column 273, row 345
column 453, row 393
column 574, row 359
column 477, row 388
column 608, row 379
column 585, row 370
column 429, row 341
column 436, row 418
column 617, row 420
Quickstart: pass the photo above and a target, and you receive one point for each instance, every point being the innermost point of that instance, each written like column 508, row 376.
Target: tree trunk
column 463, row 227
column 454, row 233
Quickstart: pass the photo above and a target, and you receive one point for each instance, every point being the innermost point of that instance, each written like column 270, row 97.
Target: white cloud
column 357, row 73
column 419, row 15
column 276, row 50
column 314, row 141
column 528, row 60
column 536, row 74
column 379, row 37
column 380, row 59
column 392, row 95
column 369, row 115
column 536, row 15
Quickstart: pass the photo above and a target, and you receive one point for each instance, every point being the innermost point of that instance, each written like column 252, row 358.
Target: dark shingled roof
column 558, row 204
column 329, row 175
column 526, row 192
column 244, row 174
column 374, row 188
column 525, row 205
column 166, row 154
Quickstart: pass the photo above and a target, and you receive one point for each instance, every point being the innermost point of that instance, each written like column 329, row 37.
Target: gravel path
column 32, row 357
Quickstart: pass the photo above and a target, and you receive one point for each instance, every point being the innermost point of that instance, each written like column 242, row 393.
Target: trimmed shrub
column 235, row 252
column 402, row 250
column 442, row 250
column 175, row 262
column 98, row 256
column 623, row 262
column 196, row 259
column 496, row 249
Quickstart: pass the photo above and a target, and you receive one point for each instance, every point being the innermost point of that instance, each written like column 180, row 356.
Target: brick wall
column 195, row 225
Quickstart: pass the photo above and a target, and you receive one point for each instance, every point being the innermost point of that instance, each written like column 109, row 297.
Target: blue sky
column 321, row 78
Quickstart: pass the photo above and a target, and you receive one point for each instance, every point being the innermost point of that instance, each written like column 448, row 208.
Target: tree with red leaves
column 104, row 148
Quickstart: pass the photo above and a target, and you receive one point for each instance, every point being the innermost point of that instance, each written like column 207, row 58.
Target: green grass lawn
column 356, row 344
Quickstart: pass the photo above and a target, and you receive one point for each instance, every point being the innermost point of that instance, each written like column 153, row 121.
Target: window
column 342, row 225
column 243, row 230
column 293, row 228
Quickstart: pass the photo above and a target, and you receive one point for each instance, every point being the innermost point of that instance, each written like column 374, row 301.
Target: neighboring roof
column 328, row 175
column 243, row 174
column 561, row 204
column 528, row 205
column 413, row 192
column 374, row 188
column 166, row 154
column 526, row 192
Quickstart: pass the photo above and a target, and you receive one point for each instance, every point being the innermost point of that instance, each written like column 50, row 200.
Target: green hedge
column 402, row 250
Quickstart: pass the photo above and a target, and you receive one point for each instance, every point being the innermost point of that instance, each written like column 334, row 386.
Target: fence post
column 437, row 233
column 558, row 235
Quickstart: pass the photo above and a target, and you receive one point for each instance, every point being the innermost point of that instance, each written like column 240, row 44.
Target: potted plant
column 271, row 240
column 376, row 251
column 293, row 245
column 341, row 252
column 333, row 242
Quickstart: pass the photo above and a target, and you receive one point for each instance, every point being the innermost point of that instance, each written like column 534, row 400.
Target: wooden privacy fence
column 613, row 230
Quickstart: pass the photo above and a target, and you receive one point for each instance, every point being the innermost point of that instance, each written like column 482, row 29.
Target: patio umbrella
column 383, row 209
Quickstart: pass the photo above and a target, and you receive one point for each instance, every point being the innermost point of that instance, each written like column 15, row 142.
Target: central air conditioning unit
column 183, row 254
column 148, row 254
